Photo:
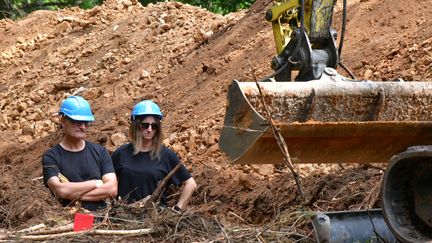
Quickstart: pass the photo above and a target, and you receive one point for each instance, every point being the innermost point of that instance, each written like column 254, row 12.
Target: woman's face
column 148, row 127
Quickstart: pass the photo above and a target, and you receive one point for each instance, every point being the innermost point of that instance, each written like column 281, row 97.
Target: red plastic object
column 83, row 222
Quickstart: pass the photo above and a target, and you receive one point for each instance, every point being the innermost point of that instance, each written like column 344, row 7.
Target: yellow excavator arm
column 303, row 37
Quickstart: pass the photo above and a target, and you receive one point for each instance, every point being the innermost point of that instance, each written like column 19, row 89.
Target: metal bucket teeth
column 330, row 120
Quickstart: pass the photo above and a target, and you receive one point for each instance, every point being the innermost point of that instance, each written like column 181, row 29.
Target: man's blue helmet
column 77, row 108
column 146, row 107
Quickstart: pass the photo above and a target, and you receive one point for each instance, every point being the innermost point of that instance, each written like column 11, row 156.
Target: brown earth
column 184, row 58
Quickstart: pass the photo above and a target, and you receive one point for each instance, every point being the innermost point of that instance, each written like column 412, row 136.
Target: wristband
column 177, row 208
column 99, row 183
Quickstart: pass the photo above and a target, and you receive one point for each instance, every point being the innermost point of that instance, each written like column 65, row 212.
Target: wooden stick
column 156, row 194
column 280, row 141
column 145, row 202
column 89, row 232
column 227, row 239
column 60, row 229
column 33, row 228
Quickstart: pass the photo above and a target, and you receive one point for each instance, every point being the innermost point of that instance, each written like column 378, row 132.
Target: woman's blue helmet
column 77, row 108
column 146, row 107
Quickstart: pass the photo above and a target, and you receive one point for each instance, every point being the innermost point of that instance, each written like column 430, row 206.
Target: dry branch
column 156, row 194
column 60, row 229
column 32, row 228
column 145, row 202
column 90, row 232
column 280, row 141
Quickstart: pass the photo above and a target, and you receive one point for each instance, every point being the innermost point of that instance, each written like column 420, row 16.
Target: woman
column 143, row 162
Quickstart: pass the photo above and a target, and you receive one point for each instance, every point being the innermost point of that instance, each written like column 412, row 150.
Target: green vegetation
column 220, row 6
column 19, row 8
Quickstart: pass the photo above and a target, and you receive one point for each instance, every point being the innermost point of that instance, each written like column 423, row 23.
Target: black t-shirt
column 138, row 175
column 91, row 163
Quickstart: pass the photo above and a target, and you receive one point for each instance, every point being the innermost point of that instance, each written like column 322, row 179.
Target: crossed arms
column 86, row 190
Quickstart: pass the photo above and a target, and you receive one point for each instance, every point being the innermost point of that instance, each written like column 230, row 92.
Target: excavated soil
column 184, row 58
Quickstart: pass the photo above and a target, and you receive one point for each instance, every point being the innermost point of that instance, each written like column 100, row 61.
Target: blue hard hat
column 77, row 108
column 146, row 107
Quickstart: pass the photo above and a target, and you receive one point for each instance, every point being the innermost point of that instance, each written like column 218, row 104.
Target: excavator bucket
column 330, row 120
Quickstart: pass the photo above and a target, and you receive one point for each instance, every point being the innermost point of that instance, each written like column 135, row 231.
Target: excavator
column 325, row 117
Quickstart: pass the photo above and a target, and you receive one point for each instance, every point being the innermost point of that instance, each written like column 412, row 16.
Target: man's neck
column 73, row 144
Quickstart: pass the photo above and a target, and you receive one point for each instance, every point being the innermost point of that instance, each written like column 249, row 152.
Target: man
column 77, row 169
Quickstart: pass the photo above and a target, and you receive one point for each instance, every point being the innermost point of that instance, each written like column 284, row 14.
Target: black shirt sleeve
column 106, row 162
column 182, row 174
column 49, row 166
column 116, row 160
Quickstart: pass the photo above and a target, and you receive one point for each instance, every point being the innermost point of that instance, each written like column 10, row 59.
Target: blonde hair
column 136, row 137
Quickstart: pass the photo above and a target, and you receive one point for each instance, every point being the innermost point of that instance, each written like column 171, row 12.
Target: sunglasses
column 146, row 125
column 78, row 123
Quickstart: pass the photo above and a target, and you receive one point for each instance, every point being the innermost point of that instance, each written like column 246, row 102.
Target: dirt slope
column 184, row 58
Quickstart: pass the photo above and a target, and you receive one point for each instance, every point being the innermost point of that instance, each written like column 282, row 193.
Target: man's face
column 74, row 129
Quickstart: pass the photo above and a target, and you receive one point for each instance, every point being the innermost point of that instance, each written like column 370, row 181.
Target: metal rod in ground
column 280, row 141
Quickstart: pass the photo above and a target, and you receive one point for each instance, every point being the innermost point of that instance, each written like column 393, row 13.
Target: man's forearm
column 107, row 190
column 100, row 193
column 72, row 190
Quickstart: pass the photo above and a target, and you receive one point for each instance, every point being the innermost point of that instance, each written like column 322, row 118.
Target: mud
column 184, row 58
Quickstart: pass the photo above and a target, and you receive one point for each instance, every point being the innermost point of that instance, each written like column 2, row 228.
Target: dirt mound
column 184, row 58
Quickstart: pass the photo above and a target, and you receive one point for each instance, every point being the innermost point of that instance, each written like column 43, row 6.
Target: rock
column 91, row 94
column 193, row 134
column 368, row 74
column 212, row 139
column 165, row 27
column 39, row 127
column 212, row 149
column 4, row 119
column 62, row 27
column 22, row 106
column 201, row 149
column 122, row 122
column 102, row 138
column 191, row 144
column 34, row 117
column 2, row 103
column 36, row 98
column 173, row 138
column 246, row 181
column 118, row 138
column 206, row 34
column 144, row 74
column 20, row 40
column 126, row 60
column 15, row 126
column 27, row 130
column 258, row 176
column 266, row 169
column 180, row 150
column 25, row 139
column 127, row 3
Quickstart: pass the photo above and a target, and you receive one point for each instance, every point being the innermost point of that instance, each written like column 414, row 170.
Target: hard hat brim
column 81, row 118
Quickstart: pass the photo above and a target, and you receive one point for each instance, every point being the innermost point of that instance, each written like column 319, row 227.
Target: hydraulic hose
column 344, row 20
